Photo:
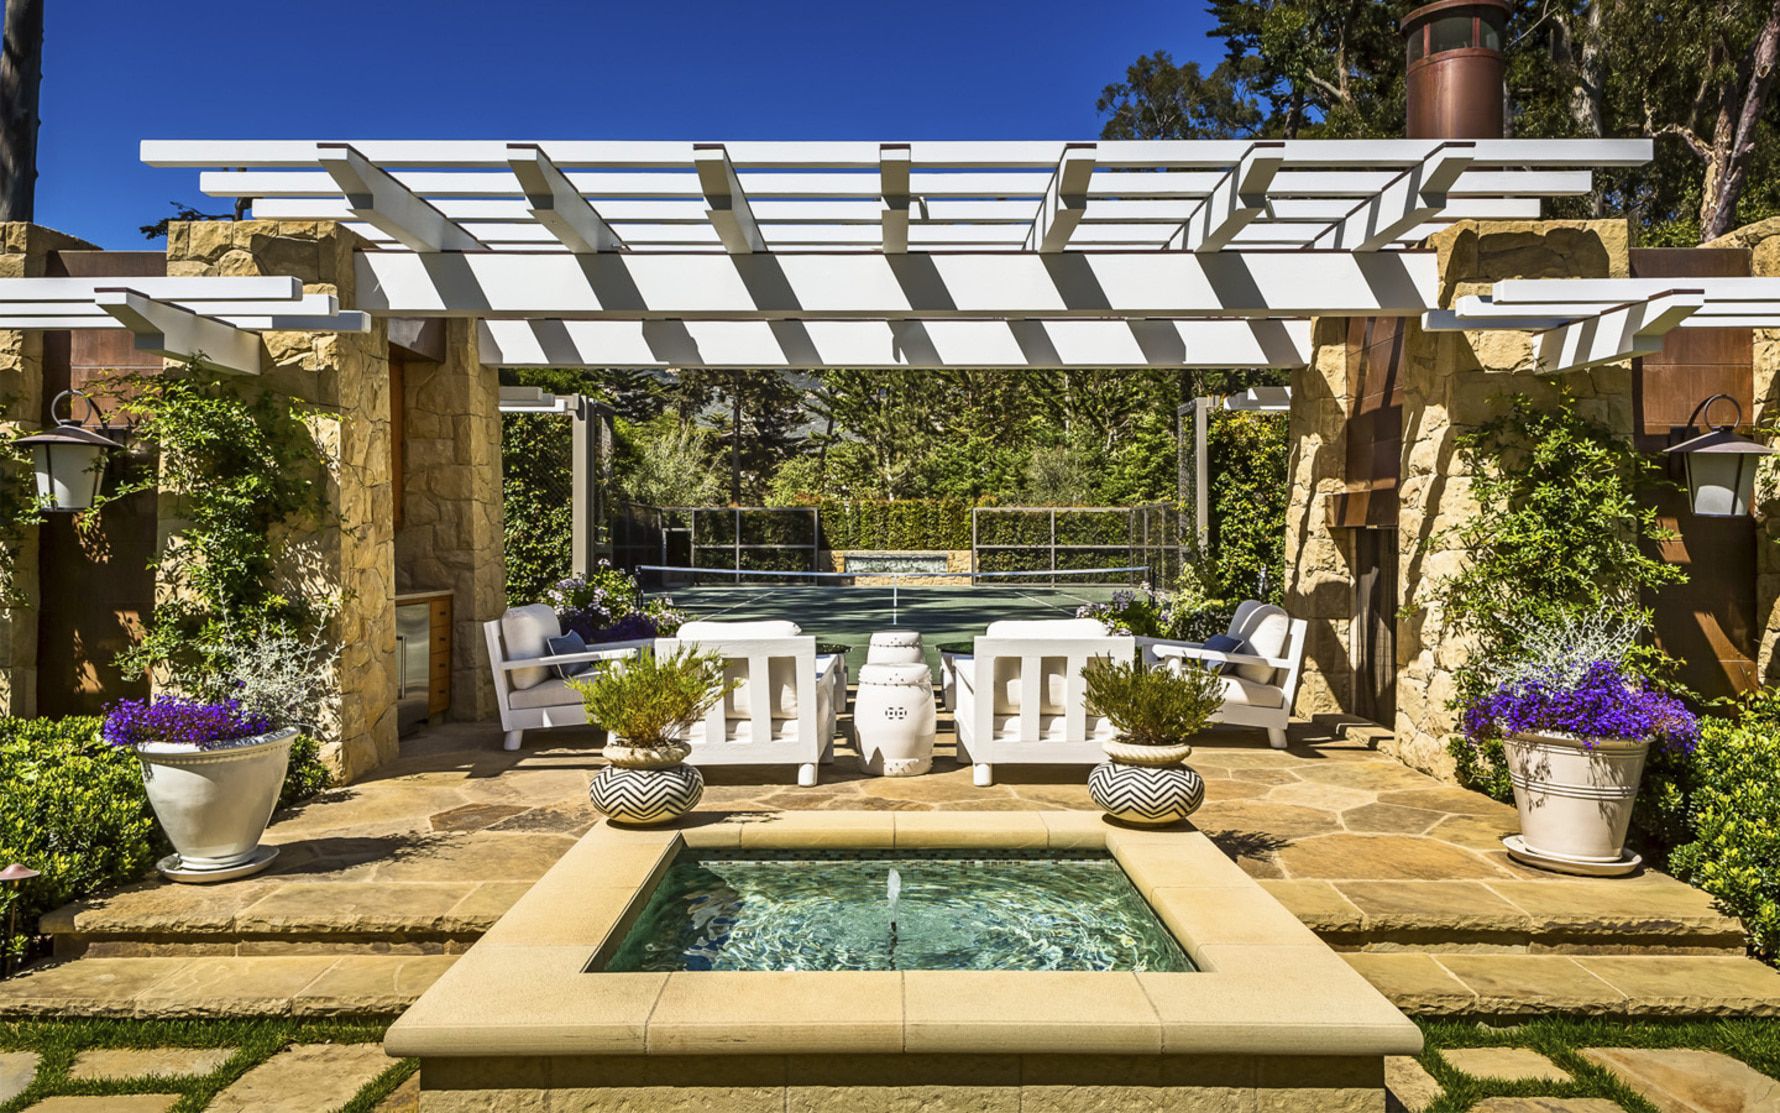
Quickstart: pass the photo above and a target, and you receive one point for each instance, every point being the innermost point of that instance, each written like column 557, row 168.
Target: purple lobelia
column 1599, row 703
column 175, row 719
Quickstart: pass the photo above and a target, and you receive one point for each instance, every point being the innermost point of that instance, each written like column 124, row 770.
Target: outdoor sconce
column 1720, row 465
column 69, row 460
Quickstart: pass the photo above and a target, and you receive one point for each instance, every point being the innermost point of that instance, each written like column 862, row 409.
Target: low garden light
column 1720, row 464
column 12, row 877
column 69, row 460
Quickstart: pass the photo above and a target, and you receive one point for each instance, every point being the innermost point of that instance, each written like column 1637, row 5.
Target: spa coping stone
column 1265, row 982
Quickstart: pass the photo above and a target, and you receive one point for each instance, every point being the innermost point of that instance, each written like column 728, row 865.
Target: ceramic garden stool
column 893, row 716
column 894, row 647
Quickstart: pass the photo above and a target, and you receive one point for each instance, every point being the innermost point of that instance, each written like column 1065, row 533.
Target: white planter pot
column 215, row 804
column 1575, row 801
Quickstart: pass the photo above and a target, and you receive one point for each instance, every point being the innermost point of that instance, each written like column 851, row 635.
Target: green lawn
column 1756, row 1042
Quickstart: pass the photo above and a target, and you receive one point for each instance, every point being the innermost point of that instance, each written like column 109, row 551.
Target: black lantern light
column 69, row 460
column 1720, row 464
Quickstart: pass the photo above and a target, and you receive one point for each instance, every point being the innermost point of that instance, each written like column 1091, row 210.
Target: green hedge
column 902, row 525
column 72, row 807
column 1734, row 809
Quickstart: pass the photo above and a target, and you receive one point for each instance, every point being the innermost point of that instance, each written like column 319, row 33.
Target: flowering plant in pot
column 213, row 773
column 1576, row 731
column 647, row 704
column 1156, row 710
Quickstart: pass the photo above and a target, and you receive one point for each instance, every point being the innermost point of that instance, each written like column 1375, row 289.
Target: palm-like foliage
column 1153, row 707
column 650, row 701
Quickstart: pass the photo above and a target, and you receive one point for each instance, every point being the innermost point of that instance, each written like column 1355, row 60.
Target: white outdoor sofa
column 782, row 705
column 796, row 720
column 1260, row 685
column 1020, row 696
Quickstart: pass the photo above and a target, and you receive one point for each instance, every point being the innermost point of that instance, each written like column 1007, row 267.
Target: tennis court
column 848, row 614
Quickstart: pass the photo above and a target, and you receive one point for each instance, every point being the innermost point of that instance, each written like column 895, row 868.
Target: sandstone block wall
column 450, row 538
column 348, row 555
column 24, row 248
column 1453, row 382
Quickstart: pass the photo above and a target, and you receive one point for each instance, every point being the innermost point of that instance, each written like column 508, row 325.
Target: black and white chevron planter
column 1147, row 795
column 646, row 796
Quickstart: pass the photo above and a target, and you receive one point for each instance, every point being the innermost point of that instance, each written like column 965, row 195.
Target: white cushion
column 1046, row 628
column 1245, row 692
column 526, row 632
column 1265, row 629
column 718, row 630
column 546, row 693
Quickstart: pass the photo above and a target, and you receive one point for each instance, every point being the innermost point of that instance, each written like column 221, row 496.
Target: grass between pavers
column 57, row 1043
column 1754, row 1041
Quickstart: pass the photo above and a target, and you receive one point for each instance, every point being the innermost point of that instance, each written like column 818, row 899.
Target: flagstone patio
column 380, row 883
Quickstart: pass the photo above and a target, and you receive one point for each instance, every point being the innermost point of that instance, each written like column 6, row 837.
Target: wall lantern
column 69, row 460
column 1720, row 465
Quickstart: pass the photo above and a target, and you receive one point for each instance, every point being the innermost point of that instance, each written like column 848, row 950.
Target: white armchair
column 529, row 693
column 782, row 706
column 1259, row 675
column 1021, row 698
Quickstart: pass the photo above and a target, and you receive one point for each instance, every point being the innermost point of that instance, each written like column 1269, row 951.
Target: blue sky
column 117, row 71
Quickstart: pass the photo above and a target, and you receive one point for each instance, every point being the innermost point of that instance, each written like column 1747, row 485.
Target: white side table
column 894, row 719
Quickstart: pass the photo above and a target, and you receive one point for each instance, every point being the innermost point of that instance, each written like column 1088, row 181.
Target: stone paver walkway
column 1511, row 1064
column 303, row 1079
column 17, row 1068
column 1676, row 1080
column 133, row 1062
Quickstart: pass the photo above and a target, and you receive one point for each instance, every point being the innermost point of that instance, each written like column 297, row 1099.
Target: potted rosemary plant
column 213, row 773
column 647, row 704
column 1575, row 730
column 1156, row 710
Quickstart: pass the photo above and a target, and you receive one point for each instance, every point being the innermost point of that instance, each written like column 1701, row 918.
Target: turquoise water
column 834, row 911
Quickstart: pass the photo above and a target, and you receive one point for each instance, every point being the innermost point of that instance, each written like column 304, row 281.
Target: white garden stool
column 894, row 647
column 893, row 717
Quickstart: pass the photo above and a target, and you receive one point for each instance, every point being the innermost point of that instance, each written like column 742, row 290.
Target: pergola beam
column 1415, row 198
column 1023, row 344
column 378, row 199
column 726, row 202
column 1620, row 333
column 167, row 330
column 1237, row 200
column 637, row 285
column 559, row 206
column 894, row 198
column 1065, row 201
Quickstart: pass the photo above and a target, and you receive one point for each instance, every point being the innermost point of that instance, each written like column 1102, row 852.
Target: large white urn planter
column 645, row 786
column 1146, row 785
column 1575, row 801
column 215, row 803
column 894, row 719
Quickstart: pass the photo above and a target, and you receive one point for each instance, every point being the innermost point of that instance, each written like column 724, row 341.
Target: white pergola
column 1204, row 253
column 1586, row 322
column 861, row 254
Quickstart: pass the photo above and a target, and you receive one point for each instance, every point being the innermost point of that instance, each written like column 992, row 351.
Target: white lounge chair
column 1020, row 696
column 1260, row 679
column 782, row 708
column 530, row 695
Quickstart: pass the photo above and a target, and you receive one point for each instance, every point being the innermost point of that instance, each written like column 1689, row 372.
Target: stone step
column 1438, row 984
column 213, row 986
column 1510, row 985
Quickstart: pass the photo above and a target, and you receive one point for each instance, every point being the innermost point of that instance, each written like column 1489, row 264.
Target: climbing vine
column 244, row 469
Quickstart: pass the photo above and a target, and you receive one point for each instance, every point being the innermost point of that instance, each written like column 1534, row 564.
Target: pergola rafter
column 558, row 206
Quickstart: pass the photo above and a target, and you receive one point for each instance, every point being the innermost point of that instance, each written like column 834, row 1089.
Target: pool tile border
column 1266, row 985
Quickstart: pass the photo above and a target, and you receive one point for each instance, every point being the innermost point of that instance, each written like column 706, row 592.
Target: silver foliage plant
column 276, row 671
column 1561, row 646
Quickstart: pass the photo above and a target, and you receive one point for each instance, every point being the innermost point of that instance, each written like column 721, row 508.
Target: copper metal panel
column 1456, row 93
column 1374, row 442
column 1694, row 363
column 89, row 357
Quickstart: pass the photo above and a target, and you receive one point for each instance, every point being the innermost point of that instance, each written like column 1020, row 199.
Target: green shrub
column 649, row 700
column 1735, row 812
column 71, row 807
column 307, row 774
column 1153, row 707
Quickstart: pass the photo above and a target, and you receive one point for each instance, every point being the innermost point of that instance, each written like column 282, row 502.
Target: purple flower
column 132, row 722
column 1602, row 704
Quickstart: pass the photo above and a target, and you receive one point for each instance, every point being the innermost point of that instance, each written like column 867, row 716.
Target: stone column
column 348, row 554
column 24, row 249
column 1319, row 567
column 1456, row 381
column 451, row 504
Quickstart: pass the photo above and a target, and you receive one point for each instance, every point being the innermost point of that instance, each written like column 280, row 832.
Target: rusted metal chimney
column 1456, row 69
